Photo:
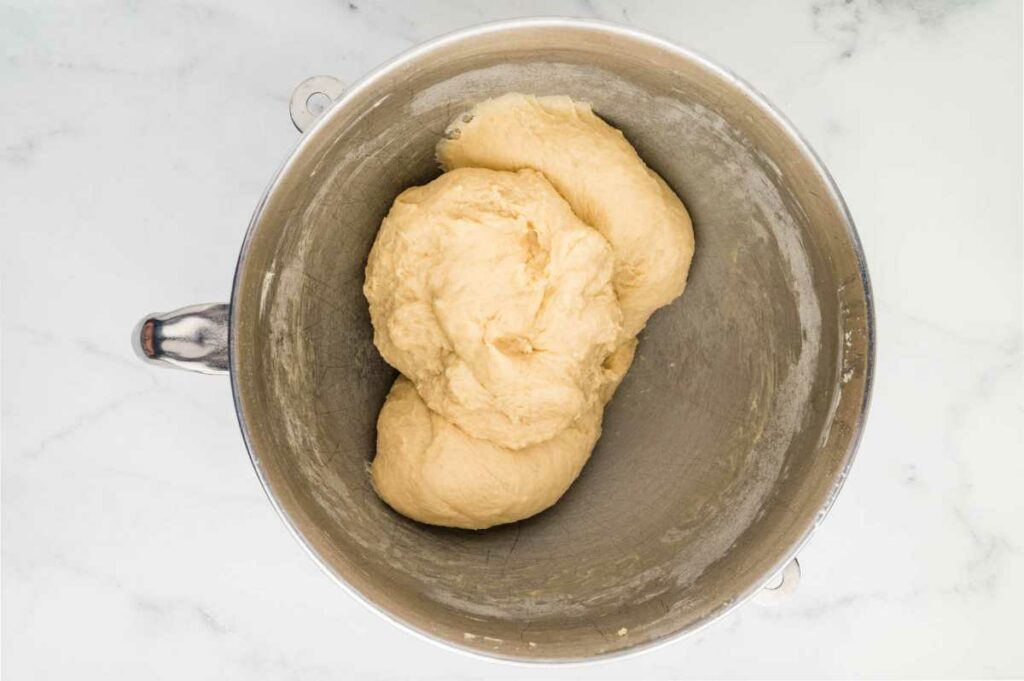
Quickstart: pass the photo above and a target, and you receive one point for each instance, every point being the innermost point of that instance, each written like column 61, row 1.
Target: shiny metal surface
column 727, row 442
column 311, row 97
column 193, row 338
column 776, row 591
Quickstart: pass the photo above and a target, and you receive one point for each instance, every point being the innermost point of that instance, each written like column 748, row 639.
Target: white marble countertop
column 135, row 140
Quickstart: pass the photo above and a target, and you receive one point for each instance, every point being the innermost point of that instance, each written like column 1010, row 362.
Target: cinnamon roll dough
column 508, row 292
column 496, row 301
column 599, row 173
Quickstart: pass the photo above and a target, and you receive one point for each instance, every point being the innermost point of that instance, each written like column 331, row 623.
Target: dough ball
column 599, row 173
column 509, row 293
column 496, row 301
column 430, row 470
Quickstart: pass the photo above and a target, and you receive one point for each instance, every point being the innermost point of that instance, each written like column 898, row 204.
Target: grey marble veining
column 136, row 540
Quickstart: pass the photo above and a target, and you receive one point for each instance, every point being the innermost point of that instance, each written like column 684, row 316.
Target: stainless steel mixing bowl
column 729, row 438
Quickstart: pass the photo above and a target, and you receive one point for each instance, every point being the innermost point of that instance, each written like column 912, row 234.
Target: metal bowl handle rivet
column 782, row 585
column 311, row 98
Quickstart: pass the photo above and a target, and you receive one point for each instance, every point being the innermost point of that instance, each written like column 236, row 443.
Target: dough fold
column 602, row 177
column 430, row 470
column 496, row 301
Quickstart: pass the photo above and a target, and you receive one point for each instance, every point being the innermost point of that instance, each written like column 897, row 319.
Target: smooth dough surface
column 432, row 471
column 508, row 292
column 599, row 173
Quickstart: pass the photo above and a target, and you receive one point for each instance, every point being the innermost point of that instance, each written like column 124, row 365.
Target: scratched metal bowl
column 724, row 447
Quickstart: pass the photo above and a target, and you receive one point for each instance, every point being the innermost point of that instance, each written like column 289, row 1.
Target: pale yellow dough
column 496, row 301
column 508, row 292
column 599, row 173
column 432, row 471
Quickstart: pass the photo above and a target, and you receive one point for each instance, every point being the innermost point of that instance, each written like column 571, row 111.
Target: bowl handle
column 193, row 338
column 311, row 98
column 780, row 586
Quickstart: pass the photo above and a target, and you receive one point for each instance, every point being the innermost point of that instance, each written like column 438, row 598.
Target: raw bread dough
column 509, row 292
column 489, row 294
column 599, row 173
column 430, row 470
